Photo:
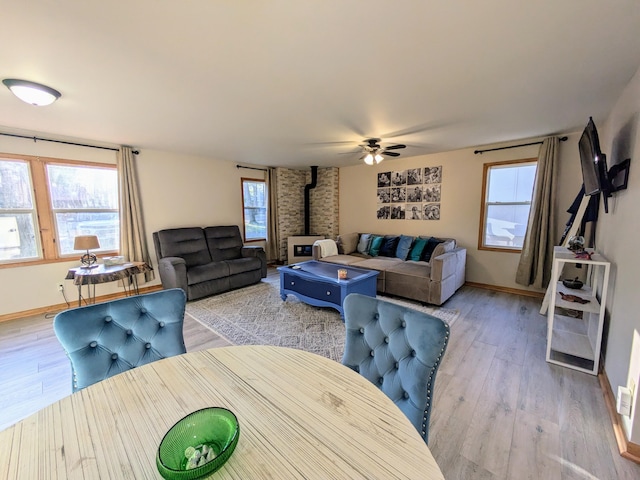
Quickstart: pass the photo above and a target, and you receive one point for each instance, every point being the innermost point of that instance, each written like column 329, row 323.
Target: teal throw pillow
column 376, row 243
column 418, row 247
column 404, row 245
column 429, row 248
column 389, row 245
column 363, row 243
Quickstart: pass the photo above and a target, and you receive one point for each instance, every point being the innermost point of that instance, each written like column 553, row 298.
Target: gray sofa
column 206, row 261
column 432, row 281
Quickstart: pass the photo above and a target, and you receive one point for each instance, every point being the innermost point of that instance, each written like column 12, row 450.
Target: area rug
column 256, row 315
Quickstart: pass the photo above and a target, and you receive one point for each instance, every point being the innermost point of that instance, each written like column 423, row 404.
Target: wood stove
column 299, row 248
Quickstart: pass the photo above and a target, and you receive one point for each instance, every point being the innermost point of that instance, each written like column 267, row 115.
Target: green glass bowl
column 192, row 437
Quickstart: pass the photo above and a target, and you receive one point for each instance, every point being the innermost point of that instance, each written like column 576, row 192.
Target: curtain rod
column 562, row 139
column 252, row 168
column 135, row 152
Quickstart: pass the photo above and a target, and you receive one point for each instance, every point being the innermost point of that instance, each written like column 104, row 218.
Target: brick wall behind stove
column 290, row 206
column 323, row 204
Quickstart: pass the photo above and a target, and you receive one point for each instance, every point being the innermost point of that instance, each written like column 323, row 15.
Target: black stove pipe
column 307, row 214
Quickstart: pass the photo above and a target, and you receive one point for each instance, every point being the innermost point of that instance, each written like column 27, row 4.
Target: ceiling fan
column 375, row 153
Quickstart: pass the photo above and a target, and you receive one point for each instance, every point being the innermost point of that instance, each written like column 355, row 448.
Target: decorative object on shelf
column 111, row 261
column 583, row 255
column 573, row 298
column 576, row 243
column 198, row 444
column 31, row 92
column 342, row 273
column 87, row 242
column 574, row 284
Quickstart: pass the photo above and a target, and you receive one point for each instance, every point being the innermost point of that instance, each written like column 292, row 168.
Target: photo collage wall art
column 412, row 194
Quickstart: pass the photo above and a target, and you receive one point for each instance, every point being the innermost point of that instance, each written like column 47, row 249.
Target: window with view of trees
column 45, row 203
column 507, row 192
column 254, row 209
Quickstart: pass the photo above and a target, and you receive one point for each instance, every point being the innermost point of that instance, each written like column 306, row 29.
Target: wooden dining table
column 301, row 416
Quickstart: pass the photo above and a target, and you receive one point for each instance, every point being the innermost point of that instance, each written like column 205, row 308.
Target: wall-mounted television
column 594, row 164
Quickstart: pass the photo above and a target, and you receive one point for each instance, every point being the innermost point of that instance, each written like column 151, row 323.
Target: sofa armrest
column 173, row 273
column 450, row 263
column 258, row 252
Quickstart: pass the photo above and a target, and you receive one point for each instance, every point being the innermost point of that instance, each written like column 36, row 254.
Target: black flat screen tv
column 594, row 164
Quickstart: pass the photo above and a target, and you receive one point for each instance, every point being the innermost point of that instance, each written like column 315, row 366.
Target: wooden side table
column 103, row 274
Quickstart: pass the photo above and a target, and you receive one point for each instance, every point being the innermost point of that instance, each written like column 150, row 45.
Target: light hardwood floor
column 500, row 410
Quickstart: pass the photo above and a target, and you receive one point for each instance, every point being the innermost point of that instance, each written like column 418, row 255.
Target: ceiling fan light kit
column 31, row 92
column 370, row 158
column 375, row 152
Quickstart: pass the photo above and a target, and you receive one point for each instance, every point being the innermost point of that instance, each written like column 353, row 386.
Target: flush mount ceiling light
column 31, row 92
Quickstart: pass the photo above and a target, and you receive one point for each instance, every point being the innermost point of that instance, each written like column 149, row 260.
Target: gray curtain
column 537, row 251
column 273, row 237
column 133, row 242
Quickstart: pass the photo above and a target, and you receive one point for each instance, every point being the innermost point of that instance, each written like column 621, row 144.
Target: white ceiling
column 296, row 83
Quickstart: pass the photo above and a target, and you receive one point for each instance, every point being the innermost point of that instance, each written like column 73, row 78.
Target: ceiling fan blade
column 391, row 154
column 395, row 147
column 353, row 152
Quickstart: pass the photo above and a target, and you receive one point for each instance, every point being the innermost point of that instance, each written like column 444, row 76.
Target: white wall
column 460, row 206
column 176, row 191
column 617, row 239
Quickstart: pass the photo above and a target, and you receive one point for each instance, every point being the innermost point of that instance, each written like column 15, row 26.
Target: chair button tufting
column 129, row 332
column 380, row 381
column 371, row 353
column 143, row 310
column 404, row 324
column 357, row 369
column 405, row 395
column 413, row 353
column 107, row 319
column 361, row 330
column 397, row 365
column 147, row 346
column 161, row 324
column 114, row 356
column 93, row 344
column 386, row 339
column 376, row 316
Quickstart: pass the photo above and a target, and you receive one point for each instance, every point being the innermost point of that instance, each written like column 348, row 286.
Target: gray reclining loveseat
column 206, row 261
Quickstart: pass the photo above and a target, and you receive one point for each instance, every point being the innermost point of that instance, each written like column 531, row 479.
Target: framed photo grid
column 412, row 194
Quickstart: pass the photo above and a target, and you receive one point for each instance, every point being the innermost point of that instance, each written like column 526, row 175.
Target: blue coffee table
column 316, row 283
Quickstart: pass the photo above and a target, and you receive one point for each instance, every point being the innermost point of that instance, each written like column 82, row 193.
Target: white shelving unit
column 574, row 330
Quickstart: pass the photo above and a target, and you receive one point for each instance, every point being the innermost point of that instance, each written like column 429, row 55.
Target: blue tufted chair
column 397, row 348
column 108, row 338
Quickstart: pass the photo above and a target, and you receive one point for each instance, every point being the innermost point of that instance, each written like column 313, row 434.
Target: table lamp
column 87, row 242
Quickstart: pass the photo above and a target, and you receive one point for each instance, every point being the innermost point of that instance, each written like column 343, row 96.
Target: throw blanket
column 327, row 247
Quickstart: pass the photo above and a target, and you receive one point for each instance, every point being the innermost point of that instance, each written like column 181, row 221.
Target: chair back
column 398, row 349
column 225, row 242
column 108, row 338
column 189, row 244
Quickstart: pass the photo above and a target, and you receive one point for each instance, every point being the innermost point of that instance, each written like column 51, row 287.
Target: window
column 254, row 209
column 45, row 203
column 507, row 192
